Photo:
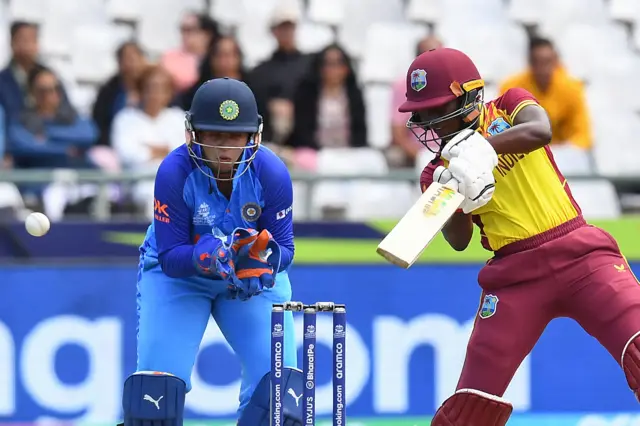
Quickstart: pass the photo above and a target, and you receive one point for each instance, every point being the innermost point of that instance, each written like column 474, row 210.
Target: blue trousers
column 173, row 315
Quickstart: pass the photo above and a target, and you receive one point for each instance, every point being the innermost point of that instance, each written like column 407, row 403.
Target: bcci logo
column 251, row 212
column 489, row 306
column 229, row 110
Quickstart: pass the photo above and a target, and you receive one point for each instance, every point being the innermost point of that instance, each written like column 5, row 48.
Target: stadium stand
column 598, row 42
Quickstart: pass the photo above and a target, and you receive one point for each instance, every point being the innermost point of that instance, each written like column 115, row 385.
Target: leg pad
column 631, row 364
column 153, row 399
column 473, row 407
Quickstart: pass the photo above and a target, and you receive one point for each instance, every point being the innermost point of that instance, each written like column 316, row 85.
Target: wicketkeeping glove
column 256, row 264
column 211, row 257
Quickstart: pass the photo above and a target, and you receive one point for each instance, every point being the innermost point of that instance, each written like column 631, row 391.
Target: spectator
column 143, row 136
column 275, row 80
column 224, row 59
column 198, row 32
column 559, row 93
column 5, row 159
column 49, row 133
column 329, row 107
column 405, row 147
column 120, row 91
column 24, row 58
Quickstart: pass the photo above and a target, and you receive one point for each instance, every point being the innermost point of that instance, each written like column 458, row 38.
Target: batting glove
column 472, row 147
column 477, row 189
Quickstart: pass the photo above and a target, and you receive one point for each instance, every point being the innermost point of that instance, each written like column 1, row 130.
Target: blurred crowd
column 309, row 101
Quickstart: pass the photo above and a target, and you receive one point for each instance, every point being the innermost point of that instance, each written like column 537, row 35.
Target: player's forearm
column 178, row 262
column 458, row 231
column 286, row 257
column 521, row 139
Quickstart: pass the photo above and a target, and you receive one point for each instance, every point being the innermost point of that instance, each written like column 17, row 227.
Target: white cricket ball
column 37, row 224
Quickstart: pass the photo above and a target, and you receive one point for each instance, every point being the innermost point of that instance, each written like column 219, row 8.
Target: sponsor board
column 67, row 342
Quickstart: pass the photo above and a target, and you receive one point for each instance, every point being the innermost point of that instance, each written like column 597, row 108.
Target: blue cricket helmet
column 224, row 105
column 228, row 106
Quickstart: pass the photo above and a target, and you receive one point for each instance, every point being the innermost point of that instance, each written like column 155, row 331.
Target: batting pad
column 631, row 363
column 256, row 413
column 473, row 407
column 153, row 399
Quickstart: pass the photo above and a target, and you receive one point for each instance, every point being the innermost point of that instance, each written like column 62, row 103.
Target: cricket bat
column 415, row 231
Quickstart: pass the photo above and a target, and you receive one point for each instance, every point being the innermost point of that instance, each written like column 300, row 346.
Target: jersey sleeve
column 426, row 177
column 277, row 215
column 513, row 100
column 172, row 219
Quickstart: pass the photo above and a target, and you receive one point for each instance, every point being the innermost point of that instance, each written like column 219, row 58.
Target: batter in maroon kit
column 547, row 261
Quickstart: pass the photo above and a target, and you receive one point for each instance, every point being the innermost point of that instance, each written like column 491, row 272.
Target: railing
column 102, row 209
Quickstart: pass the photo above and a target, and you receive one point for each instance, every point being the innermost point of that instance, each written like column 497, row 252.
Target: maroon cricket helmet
column 435, row 78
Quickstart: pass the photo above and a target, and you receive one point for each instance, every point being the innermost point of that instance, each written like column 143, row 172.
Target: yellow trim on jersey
column 518, row 108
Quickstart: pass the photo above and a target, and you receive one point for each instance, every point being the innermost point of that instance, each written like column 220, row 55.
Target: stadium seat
column 256, row 42
column 381, row 200
column 389, row 50
column 92, row 55
column 124, row 10
column 263, row 10
column 562, row 13
column 422, row 160
column 28, row 10
column 63, row 18
column 597, row 198
column 616, row 150
column 227, row 12
column 300, row 201
column 592, row 50
column 5, row 51
column 329, row 12
column 636, row 36
column 625, row 10
column 608, row 95
column 487, row 12
column 526, row 12
column 83, row 97
column 507, row 56
column 345, row 162
column 312, row 37
column 353, row 32
column 572, row 161
column 428, row 11
column 377, row 98
column 158, row 28
column 10, row 196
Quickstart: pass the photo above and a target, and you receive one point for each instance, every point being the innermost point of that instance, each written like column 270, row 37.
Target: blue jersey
column 188, row 204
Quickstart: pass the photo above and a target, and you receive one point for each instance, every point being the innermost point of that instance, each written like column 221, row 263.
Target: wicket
column 309, row 355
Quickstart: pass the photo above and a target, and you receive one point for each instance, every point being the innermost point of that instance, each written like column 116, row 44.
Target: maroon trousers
column 578, row 273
